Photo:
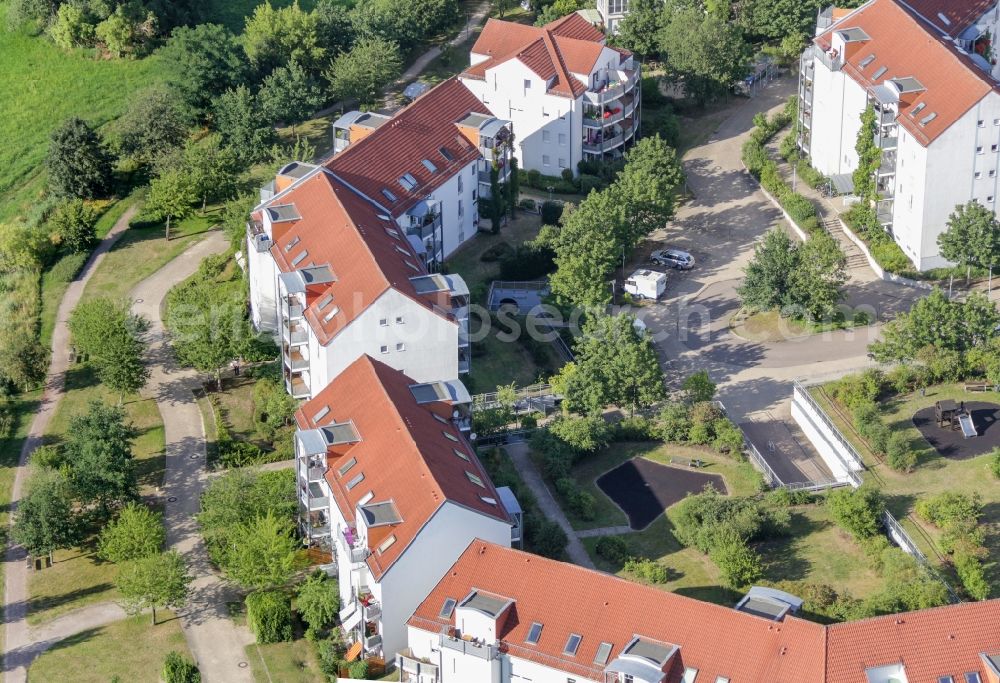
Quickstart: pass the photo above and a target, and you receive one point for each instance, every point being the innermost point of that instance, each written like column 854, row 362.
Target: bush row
column 864, row 223
column 859, row 394
column 957, row 516
column 615, row 550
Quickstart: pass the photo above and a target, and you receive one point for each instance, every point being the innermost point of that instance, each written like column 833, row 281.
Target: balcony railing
column 297, row 387
column 295, row 334
column 316, row 473
column 469, row 647
column 608, row 93
column 413, row 669
column 296, row 361
column 292, row 309
column 316, row 499
column 258, row 236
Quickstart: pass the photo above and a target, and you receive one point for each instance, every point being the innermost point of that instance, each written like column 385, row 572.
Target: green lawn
column 43, row 86
column 291, row 662
column 933, row 473
column 129, row 650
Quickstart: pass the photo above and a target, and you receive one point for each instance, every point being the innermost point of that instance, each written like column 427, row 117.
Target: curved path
column 217, row 644
column 20, row 642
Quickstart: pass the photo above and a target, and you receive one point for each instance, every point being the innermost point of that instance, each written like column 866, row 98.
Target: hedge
column 269, row 616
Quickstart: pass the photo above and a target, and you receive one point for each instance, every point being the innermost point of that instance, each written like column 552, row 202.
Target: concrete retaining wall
column 824, row 437
column 873, row 264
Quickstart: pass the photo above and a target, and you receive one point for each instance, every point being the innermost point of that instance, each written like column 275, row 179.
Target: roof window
column 946, row 679
column 402, row 251
column 388, row 195
column 411, row 266
column 408, row 181
column 488, row 500
column 603, row 654
column 867, row 60
column 323, row 412
column 475, row 479
column 927, row 119
column 881, row 72
column 329, row 316
column 534, row 633
column 325, row 301
column 360, row 477
column 429, row 165
column 944, row 19
column 387, row 543
column 919, row 108
column 346, row 467
column 462, row 455
column 447, row 608
column 367, row 498
column 300, row 258
column 450, row 436
column 291, row 245
column 448, row 156
column 572, row 644
column 689, row 675
column 392, row 233
column 973, row 677
column 440, row 419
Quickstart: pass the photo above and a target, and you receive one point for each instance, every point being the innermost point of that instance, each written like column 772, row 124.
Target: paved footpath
column 22, row 644
column 217, row 644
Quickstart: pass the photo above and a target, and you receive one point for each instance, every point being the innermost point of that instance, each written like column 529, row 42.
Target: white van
column 646, row 284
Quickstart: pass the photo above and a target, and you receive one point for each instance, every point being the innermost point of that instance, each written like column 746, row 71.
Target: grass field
column 43, row 86
column 933, row 474
column 291, row 662
column 129, row 650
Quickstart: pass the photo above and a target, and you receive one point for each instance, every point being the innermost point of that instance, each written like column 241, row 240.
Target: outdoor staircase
column 855, row 259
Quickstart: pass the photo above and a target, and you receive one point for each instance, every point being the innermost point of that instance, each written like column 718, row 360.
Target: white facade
column 555, row 132
column 612, row 12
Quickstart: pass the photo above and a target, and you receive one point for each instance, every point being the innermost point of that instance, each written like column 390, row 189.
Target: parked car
column 675, row 258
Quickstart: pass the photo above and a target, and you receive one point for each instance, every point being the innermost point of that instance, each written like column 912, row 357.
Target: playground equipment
column 968, row 428
column 948, row 415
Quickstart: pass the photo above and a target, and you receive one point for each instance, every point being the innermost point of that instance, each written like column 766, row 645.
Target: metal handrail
column 906, row 542
column 848, row 446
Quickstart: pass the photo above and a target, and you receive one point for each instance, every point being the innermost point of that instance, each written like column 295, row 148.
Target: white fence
column 837, row 452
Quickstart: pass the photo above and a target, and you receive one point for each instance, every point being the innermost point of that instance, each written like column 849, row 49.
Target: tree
column 172, row 194
column 77, row 162
column 98, row 452
column 127, row 30
column 318, row 601
column 124, row 370
column 266, row 554
column 29, row 15
column 44, row 519
column 243, row 124
column 336, row 32
column 767, row 276
column 137, row 532
column 815, row 284
column 645, row 188
column 234, row 219
column 403, row 21
column 290, row 94
column 972, row 237
column 108, row 332
column 361, row 73
column 859, row 511
column 154, row 581
column 615, row 365
column 203, row 61
column 152, row 125
column 558, row 9
column 71, row 27
column 273, row 37
column 776, row 19
column 22, row 247
column 699, row 387
column 587, row 250
column 179, row 669
column 869, row 157
column 212, row 168
column 739, row 564
column 707, row 53
column 73, row 224
column 639, row 30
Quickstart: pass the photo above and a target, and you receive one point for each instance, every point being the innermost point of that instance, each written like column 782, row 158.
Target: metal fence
column 898, row 534
column 801, row 390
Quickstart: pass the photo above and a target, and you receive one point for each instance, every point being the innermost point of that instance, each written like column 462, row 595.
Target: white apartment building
column 388, row 482
column 504, row 616
column 569, row 96
column 926, row 68
column 612, row 12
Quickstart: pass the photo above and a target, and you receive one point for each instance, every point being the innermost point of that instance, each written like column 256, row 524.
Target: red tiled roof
column 960, row 14
column 403, row 453
column 339, row 229
column 930, row 643
column 417, row 132
column 557, row 50
column 906, row 46
column 716, row 640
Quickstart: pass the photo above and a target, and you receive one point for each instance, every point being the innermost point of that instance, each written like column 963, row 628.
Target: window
column 993, row 173
column 993, row 148
column 689, row 675
column 460, row 181
column 461, row 209
column 721, row 679
column 981, row 123
column 358, row 478
column 534, row 633
column 572, row 644
column 979, row 149
column 407, row 181
column 603, row 654
column 399, row 320
column 979, row 174
column 429, row 165
column 562, row 138
column 383, row 322
column 387, row 543
column 330, row 315
column 401, row 346
column 527, row 83
column 388, row 195
column 989, row 199
column 463, row 456
column 450, row 436
column 545, row 160
column 562, row 163
column 447, row 608
column 972, row 677
column 323, row 412
column 546, row 136
column 996, row 122
column 488, row 500
column 346, row 467
column 439, row 418
column 475, row 479
column 946, row 679
column 384, row 348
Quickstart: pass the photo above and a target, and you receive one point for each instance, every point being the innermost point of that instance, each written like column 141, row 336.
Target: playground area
column 644, row 489
column 959, row 429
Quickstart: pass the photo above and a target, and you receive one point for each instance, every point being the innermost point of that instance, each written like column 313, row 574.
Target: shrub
column 179, row 669
column 703, row 417
column 358, row 669
column 528, row 204
column 859, row 511
column 995, row 463
column 898, row 453
column 318, row 601
column 580, row 503
column 534, row 178
column 972, row 574
column 331, row 652
column 739, row 564
column 636, row 428
column 269, row 616
column 708, row 519
column 647, row 570
column 589, row 183
column 49, row 456
column 551, row 212
column 672, row 423
column 529, row 421
column 547, row 538
column 583, row 434
column 728, row 438
column 234, row 453
column 904, row 378
column 950, row 508
column 861, row 319
column 614, row 549
column 567, row 175
column 860, row 389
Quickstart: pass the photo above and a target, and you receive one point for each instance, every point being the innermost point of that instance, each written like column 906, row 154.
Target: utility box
column 646, row 284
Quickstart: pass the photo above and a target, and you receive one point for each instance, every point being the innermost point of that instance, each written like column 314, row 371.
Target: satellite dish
column 472, row 436
column 455, row 414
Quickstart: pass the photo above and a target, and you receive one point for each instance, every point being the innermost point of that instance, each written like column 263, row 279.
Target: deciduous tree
column 73, row 224
column 243, row 124
column 153, row 124
column 98, row 452
column 172, row 194
column 213, row 169
column 44, row 520
column 972, row 237
column 707, row 53
column 202, row 61
column 275, row 36
column 290, row 94
column 265, row 556
column 361, row 73
column 78, row 163
column 135, row 533
column 318, row 601
column 155, row 581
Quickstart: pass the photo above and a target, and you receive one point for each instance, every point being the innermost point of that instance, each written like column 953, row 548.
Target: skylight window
column 946, row 679
column 919, row 108
column 462, row 455
column 325, row 301
column 603, row 654
column 447, row 608
column 867, row 60
column 346, row 467
column 300, row 258
column 488, row 500
column 429, row 165
column 360, row 477
column 448, row 156
column 387, row 543
column 291, row 245
column 534, row 633
column 927, row 119
column 412, row 267
column 973, row 677
column 402, row 251
column 388, row 195
column 392, row 233
column 475, row 479
column 572, row 644
column 449, row 435
column 881, row 72
column 944, row 19
column 323, row 412
column 408, row 181
column 689, row 675
column 365, row 499
column 333, row 312
column 439, row 418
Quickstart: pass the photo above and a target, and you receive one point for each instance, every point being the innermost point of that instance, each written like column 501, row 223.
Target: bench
column 978, row 386
column 687, row 462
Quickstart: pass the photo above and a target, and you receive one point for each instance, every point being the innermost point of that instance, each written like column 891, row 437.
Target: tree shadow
column 783, row 557
column 42, row 604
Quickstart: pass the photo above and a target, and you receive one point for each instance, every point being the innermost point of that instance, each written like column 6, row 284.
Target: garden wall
column 836, row 451
column 876, row 268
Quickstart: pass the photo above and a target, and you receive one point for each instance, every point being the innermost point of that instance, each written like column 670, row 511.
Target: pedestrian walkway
column 605, row 531
column 520, row 455
column 22, row 644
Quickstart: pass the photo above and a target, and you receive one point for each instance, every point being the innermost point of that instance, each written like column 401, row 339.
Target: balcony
column 887, row 117
column 613, row 88
column 373, row 643
column 317, row 473
column 315, row 498
column 355, row 548
column 888, row 166
column 291, row 308
column 297, row 387
column 413, row 669
column 469, row 647
column 887, row 143
column 258, row 236
column 319, row 524
column 294, row 360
